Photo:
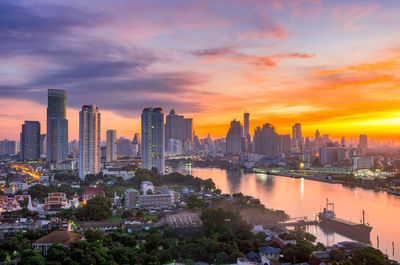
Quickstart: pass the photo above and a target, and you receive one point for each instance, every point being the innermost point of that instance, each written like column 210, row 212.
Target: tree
column 368, row 256
column 93, row 235
column 31, row 257
column 194, row 202
column 336, row 255
column 97, row 208
column 57, row 253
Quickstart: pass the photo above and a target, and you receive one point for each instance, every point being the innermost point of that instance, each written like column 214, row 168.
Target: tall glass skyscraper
column 57, row 126
column 111, row 148
column 89, row 140
column 153, row 139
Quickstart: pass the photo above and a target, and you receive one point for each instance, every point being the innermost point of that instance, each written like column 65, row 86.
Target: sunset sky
column 331, row 65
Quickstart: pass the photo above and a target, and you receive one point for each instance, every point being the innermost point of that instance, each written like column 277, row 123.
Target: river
column 301, row 197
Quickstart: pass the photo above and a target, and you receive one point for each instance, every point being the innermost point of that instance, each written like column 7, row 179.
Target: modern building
column 57, row 126
column 124, row 147
column 30, row 140
column 164, row 198
column 297, row 137
column 131, row 198
column 43, row 145
column 145, row 186
column 152, row 146
column 234, row 138
column 89, row 140
column 266, row 141
column 8, row 147
column 111, row 149
column 362, row 162
column 363, row 144
column 177, row 127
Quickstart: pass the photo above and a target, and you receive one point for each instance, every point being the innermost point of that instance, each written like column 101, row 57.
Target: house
column 92, row 192
column 285, row 238
column 63, row 238
column 270, row 252
column 319, row 258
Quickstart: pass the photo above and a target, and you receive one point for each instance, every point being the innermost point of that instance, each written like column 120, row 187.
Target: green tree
column 31, row 257
column 97, row 208
column 368, row 256
column 57, row 253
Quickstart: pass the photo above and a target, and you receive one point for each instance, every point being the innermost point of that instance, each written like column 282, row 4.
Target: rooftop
column 61, row 237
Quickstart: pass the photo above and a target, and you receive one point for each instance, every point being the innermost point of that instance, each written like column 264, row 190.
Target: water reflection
column 302, row 197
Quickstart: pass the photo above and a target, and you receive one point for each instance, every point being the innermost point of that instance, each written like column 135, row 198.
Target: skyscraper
column 152, row 145
column 57, row 126
column 8, row 147
column 234, row 138
column 246, row 117
column 363, row 144
column 177, row 127
column 297, row 137
column 30, row 140
column 43, row 144
column 89, row 140
column 266, row 141
column 111, row 148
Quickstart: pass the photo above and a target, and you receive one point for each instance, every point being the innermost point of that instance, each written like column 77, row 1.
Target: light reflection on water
column 302, row 197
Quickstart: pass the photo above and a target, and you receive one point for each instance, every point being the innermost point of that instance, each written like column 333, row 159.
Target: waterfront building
column 234, row 138
column 89, row 140
column 152, row 147
column 30, row 140
column 111, row 148
column 57, row 126
column 8, row 147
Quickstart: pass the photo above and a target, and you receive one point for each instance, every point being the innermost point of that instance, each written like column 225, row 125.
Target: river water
column 301, row 197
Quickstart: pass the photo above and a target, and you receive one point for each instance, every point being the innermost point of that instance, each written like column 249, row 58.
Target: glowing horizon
column 329, row 65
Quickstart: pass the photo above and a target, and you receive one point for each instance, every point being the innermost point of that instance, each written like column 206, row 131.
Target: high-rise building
column 177, row 127
column 266, row 141
column 152, row 146
column 246, row 117
column 234, row 138
column 284, row 143
column 297, row 137
column 8, row 147
column 30, row 140
column 43, row 145
column 136, row 144
column 111, row 147
column 89, row 140
column 124, row 147
column 57, row 126
column 363, row 144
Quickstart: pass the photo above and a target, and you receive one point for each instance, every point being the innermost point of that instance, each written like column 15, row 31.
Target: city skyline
column 268, row 58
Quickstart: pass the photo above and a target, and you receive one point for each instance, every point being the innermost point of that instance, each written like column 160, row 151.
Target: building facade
column 234, row 138
column 8, row 147
column 152, row 146
column 111, row 149
column 177, row 127
column 57, row 126
column 89, row 140
column 30, row 140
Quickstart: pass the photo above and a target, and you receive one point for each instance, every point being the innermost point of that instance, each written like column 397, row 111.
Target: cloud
column 215, row 51
column 350, row 14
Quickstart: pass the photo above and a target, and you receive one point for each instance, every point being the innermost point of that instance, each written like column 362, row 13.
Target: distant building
column 111, row 149
column 363, row 144
column 175, row 146
column 57, row 126
column 284, row 144
column 89, row 140
column 43, row 145
column 177, row 127
column 30, row 140
column 234, row 138
column 152, row 146
column 266, row 141
column 136, row 144
column 362, row 162
column 124, row 147
column 8, row 147
column 297, row 137
column 165, row 198
column 55, row 201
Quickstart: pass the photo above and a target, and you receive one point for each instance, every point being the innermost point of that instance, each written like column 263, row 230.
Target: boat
column 357, row 230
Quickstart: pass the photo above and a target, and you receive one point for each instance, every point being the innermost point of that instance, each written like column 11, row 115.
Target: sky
column 331, row 65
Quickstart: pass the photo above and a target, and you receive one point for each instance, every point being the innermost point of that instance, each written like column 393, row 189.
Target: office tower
column 246, row 124
column 297, row 137
column 30, row 141
column 152, row 146
column 89, row 140
column 8, row 147
column 363, row 144
column 177, row 127
column 136, row 144
column 266, row 141
column 124, row 147
column 136, row 139
column 111, row 148
column 57, row 126
column 343, row 142
column 234, row 138
column 43, row 144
